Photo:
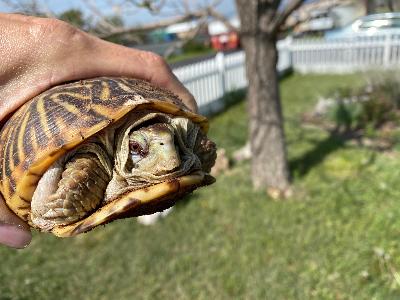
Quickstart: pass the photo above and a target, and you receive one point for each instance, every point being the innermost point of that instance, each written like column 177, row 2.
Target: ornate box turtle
column 88, row 152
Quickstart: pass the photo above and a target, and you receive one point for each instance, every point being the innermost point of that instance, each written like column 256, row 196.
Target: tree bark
column 370, row 7
column 267, row 139
column 390, row 5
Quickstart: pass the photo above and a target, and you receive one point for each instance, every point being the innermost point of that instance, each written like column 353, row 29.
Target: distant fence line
column 345, row 55
column 211, row 79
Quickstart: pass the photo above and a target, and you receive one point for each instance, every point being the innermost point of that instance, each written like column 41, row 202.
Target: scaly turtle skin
column 92, row 151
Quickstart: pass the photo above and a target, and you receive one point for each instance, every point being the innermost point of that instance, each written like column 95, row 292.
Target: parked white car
column 368, row 26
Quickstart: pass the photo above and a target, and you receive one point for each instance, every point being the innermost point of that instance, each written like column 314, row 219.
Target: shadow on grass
column 302, row 165
column 229, row 99
column 221, row 105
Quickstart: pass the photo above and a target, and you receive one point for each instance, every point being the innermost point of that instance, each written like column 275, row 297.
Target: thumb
column 14, row 232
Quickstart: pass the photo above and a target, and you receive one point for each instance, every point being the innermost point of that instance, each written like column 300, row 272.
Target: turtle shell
column 56, row 121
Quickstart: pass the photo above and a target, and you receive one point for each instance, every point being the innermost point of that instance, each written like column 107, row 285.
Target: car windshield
column 381, row 23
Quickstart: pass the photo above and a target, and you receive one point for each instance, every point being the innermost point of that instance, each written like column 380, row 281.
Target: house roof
column 182, row 27
column 218, row 27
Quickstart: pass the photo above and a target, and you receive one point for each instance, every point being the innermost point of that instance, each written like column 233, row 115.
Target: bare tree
column 173, row 11
column 170, row 12
column 260, row 24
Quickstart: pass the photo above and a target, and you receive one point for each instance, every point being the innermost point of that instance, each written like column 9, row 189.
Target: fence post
column 220, row 60
column 288, row 47
column 386, row 51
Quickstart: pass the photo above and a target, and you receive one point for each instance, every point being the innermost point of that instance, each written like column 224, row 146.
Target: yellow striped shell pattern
column 61, row 118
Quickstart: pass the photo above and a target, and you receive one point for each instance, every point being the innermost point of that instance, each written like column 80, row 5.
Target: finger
column 62, row 53
column 116, row 60
column 14, row 232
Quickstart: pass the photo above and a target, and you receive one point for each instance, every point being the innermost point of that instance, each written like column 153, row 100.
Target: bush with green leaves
column 194, row 46
column 369, row 107
column 346, row 115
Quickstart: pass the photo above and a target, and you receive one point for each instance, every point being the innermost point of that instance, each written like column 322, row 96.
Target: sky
column 227, row 7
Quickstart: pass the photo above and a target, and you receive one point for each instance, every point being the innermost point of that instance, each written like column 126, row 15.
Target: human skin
column 38, row 53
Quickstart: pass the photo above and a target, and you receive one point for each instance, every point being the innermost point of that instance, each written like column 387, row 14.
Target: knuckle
column 155, row 60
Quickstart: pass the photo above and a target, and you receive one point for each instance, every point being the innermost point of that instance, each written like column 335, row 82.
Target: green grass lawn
column 338, row 237
column 189, row 55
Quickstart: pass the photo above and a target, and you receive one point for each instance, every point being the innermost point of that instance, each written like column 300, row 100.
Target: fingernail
column 14, row 236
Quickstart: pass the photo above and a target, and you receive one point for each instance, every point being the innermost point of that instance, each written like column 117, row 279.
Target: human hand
column 38, row 53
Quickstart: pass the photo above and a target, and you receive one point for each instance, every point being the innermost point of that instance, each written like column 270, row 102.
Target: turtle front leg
column 80, row 191
column 206, row 151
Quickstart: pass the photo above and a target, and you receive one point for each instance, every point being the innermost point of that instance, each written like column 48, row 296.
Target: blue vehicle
column 384, row 23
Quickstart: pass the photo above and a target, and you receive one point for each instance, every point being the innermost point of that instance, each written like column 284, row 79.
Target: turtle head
column 152, row 149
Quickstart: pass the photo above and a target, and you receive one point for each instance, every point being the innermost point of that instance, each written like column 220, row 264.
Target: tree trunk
column 390, row 5
column 370, row 7
column 269, row 159
column 267, row 140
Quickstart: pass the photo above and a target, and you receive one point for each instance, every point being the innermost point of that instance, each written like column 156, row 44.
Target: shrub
column 368, row 107
column 194, row 46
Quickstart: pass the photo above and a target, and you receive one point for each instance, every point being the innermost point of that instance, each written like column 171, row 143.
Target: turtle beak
column 168, row 156
column 162, row 156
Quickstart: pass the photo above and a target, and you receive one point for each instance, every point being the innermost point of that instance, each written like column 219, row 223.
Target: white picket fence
column 210, row 79
column 346, row 55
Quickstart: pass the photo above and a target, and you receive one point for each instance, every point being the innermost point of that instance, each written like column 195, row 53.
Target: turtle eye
column 134, row 147
column 137, row 150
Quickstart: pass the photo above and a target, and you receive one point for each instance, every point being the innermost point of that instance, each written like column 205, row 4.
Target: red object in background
column 225, row 41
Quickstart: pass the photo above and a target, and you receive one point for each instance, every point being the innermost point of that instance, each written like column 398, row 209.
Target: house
column 182, row 30
column 222, row 37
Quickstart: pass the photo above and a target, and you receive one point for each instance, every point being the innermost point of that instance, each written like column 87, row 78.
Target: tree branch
column 155, row 25
column 216, row 15
column 48, row 12
column 188, row 38
column 102, row 20
column 31, row 7
column 106, row 30
column 281, row 17
column 152, row 6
